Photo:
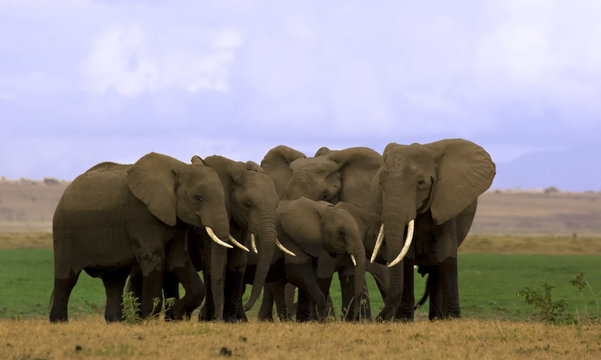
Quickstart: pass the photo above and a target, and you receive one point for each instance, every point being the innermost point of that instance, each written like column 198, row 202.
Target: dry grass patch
column 93, row 338
column 25, row 240
column 531, row 244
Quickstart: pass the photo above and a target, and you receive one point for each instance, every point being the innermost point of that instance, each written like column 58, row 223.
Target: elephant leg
column 266, row 310
column 179, row 265
column 449, row 284
column 393, row 300
column 278, row 291
column 148, row 245
column 60, row 297
column 406, row 311
column 347, row 290
column 114, row 282
column 302, row 275
column 324, row 286
column 436, row 297
column 171, row 291
column 217, row 269
column 381, row 275
column 135, row 282
column 289, row 293
column 234, row 282
column 240, row 313
column 206, row 312
column 303, row 307
column 195, row 290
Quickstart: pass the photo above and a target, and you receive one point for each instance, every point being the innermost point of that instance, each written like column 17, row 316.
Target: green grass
column 488, row 285
column 26, row 281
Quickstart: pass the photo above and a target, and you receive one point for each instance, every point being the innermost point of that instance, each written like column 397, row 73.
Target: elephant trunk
column 359, row 279
column 267, row 238
column 395, row 221
column 218, row 263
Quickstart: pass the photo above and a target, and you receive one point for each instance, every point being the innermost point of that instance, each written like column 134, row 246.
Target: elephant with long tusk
column 115, row 217
column 427, row 195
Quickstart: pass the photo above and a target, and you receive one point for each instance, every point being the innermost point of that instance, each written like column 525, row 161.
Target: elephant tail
column 425, row 296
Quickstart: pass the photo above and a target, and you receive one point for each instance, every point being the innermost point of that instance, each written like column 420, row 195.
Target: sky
column 85, row 81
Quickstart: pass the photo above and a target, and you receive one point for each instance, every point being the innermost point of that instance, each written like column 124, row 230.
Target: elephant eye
column 421, row 182
column 197, row 198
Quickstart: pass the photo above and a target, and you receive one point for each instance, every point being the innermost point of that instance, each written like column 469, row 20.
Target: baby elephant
column 317, row 232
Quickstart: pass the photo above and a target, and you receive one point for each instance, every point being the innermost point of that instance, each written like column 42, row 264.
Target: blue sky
column 86, row 81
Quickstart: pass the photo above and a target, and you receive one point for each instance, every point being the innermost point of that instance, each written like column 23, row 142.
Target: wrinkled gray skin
column 332, row 176
column 318, row 234
column 437, row 184
column 251, row 202
column 114, row 216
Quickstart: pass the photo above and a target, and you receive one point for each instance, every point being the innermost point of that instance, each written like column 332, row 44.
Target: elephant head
column 251, row 200
column 318, row 227
column 440, row 178
column 173, row 190
column 339, row 175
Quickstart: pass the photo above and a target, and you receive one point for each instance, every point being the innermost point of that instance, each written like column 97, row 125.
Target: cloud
column 132, row 61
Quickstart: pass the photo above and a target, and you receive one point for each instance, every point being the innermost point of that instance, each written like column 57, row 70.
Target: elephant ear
column 276, row 165
column 253, row 166
column 322, row 151
column 465, row 170
column 357, row 167
column 301, row 221
column 152, row 180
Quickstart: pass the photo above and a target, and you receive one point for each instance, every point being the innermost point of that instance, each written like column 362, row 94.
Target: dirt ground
column 28, row 206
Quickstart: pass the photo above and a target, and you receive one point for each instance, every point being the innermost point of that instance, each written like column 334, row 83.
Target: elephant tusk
column 235, row 242
column 354, row 261
column 406, row 246
column 378, row 244
column 253, row 243
column 216, row 239
column 279, row 244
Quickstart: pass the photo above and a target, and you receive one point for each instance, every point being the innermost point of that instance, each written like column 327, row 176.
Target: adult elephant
column 427, row 195
column 317, row 234
column 251, row 201
column 331, row 175
column 114, row 216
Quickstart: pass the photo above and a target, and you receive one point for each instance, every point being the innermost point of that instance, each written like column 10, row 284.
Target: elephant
column 331, row 175
column 115, row 216
column 251, row 202
column 427, row 194
column 316, row 235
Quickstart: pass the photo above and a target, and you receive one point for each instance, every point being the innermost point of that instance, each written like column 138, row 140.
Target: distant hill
column 27, row 205
column 577, row 169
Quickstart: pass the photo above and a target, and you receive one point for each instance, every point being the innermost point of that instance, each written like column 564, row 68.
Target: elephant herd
column 292, row 220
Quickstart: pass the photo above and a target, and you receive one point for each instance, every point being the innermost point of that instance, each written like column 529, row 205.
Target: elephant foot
column 265, row 318
column 387, row 314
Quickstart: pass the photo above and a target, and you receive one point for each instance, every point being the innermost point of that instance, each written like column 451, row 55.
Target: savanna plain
column 530, row 287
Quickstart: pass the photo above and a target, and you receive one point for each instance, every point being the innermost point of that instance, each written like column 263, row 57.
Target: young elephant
column 114, row 216
column 317, row 233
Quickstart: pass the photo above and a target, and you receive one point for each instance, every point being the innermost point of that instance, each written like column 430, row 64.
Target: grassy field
column 497, row 324
column 554, row 237
column 488, row 281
